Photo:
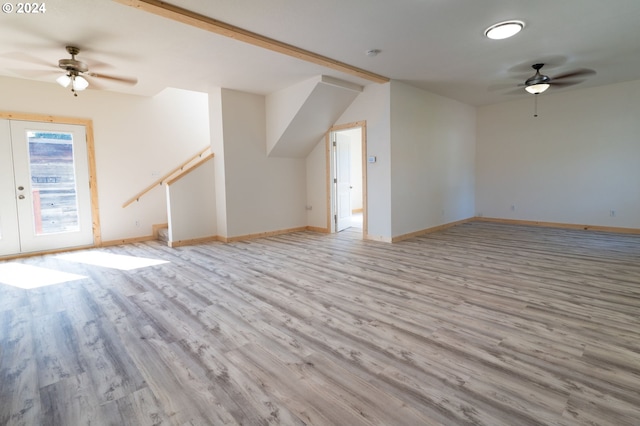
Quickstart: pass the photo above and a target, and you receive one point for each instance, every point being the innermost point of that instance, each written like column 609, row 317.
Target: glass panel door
column 51, row 177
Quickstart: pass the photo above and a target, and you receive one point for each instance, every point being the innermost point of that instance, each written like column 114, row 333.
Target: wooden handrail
column 174, row 174
column 176, row 177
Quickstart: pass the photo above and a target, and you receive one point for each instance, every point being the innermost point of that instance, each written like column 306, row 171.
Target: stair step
column 163, row 234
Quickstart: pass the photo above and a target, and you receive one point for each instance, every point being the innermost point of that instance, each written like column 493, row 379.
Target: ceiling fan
column 539, row 82
column 76, row 72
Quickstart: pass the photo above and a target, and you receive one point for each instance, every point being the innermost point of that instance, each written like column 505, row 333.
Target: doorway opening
column 347, row 182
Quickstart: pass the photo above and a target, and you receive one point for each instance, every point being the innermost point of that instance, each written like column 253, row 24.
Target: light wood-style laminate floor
column 480, row 324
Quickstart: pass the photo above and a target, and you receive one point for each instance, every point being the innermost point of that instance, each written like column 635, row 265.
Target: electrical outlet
column 612, row 213
column 137, row 223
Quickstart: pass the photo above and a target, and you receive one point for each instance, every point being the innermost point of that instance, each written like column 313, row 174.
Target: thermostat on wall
column 371, row 159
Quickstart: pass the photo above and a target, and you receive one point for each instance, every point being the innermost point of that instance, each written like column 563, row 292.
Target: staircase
column 161, row 231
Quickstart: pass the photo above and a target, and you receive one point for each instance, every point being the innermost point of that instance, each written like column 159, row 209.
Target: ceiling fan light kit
column 538, row 83
column 504, row 29
column 536, row 89
column 78, row 83
column 75, row 71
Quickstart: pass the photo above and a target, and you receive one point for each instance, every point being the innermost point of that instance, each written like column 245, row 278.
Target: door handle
column 21, row 197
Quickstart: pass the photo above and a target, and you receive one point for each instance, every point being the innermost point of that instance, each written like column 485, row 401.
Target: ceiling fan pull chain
column 535, row 105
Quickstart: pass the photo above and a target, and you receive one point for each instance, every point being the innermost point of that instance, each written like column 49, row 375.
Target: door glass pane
column 53, row 182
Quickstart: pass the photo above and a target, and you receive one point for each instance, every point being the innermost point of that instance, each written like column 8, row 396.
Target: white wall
column 136, row 139
column 579, row 159
column 217, row 145
column 316, row 169
column 282, row 106
column 191, row 205
column 262, row 194
column 432, row 159
column 356, row 167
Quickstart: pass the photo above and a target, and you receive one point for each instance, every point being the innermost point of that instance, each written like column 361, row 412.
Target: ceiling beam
column 218, row 27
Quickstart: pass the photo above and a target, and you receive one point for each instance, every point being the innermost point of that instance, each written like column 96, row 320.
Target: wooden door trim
column 363, row 135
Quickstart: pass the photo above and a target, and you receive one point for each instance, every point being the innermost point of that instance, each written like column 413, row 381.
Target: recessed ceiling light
column 503, row 30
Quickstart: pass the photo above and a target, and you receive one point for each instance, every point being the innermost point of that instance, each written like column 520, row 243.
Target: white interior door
column 49, row 204
column 343, row 181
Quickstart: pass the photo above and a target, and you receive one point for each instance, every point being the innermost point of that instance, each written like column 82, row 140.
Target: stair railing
column 174, row 174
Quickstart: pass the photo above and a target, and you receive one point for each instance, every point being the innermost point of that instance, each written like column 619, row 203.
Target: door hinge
column 335, row 144
column 335, row 180
column 335, row 218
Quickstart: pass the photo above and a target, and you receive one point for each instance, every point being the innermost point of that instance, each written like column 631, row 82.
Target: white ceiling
column 434, row 44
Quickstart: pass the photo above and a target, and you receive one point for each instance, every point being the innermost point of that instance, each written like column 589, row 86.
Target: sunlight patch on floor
column 28, row 277
column 110, row 260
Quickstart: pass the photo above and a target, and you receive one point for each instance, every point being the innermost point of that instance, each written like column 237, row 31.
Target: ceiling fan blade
column 565, row 83
column 125, row 80
column 577, row 73
column 499, row 87
column 94, row 83
column 35, row 73
column 25, row 57
column 515, row 92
